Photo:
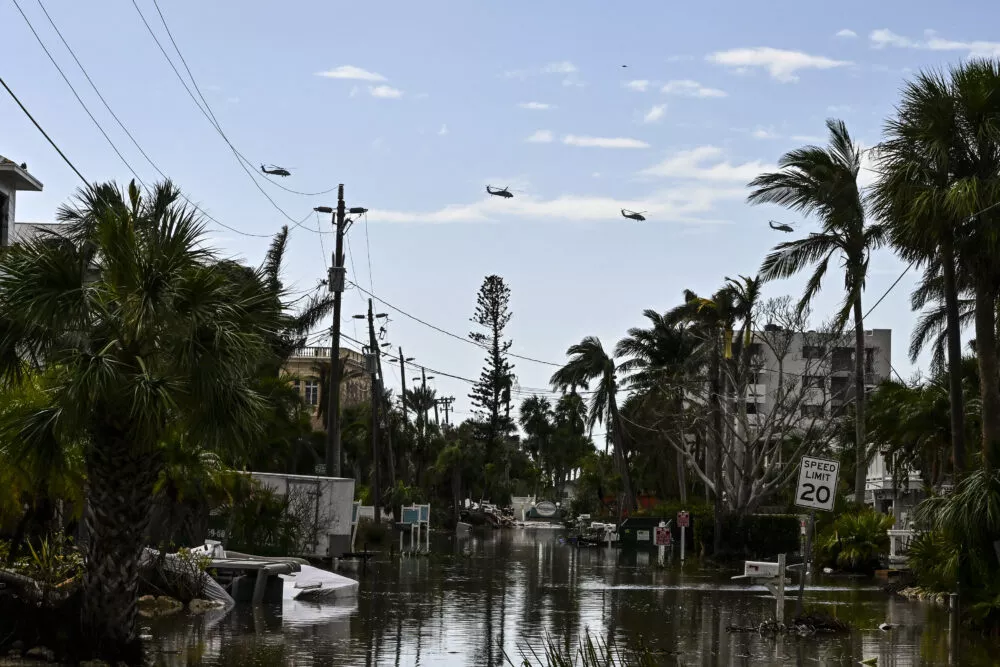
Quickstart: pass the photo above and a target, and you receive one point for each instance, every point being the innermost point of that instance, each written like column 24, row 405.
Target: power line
column 44, row 133
column 446, row 332
column 110, row 110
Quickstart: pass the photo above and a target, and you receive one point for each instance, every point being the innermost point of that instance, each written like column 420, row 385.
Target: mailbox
column 760, row 569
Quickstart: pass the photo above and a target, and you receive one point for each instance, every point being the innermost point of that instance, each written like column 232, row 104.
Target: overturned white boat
column 311, row 584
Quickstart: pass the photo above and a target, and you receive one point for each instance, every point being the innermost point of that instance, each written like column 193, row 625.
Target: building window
column 839, row 386
column 312, row 392
column 814, row 382
column 843, row 359
column 812, row 410
column 753, row 350
column 751, row 408
column 812, row 352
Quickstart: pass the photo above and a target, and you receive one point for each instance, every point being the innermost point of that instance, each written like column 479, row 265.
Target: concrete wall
column 323, row 503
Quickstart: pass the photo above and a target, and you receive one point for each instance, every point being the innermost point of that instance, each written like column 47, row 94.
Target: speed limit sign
column 817, row 483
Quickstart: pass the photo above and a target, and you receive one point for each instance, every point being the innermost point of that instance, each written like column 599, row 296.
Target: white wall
column 330, row 503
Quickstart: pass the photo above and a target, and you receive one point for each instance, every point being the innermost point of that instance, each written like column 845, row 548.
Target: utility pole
column 447, row 406
column 373, row 370
column 423, row 385
column 335, row 282
column 437, row 421
column 402, row 374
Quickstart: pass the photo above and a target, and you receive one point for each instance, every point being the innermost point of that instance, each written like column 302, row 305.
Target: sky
column 416, row 107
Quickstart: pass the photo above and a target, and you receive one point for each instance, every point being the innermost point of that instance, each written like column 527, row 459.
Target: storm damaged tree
column 492, row 392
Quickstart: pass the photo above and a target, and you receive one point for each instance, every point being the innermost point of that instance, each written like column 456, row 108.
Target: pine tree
column 492, row 393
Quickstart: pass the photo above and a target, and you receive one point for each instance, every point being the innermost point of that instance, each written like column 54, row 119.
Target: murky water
column 478, row 599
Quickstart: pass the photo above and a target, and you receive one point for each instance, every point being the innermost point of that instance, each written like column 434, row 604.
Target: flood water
column 477, row 599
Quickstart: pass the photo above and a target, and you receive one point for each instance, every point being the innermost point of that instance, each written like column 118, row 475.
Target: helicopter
column 500, row 192
column 275, row 170
column 780, row 227
column 632, row 215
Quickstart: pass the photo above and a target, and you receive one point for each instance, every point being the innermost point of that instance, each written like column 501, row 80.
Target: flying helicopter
column 632, row 215
column 500, row 192
column 780, row 227
column 275, row 170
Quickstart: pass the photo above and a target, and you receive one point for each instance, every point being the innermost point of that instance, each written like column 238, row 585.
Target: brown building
column 304, row 366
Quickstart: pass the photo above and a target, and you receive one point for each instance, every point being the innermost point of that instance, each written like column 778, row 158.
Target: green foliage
column 753, row 535
column 933, row 559
column 855, row 541
column 258, row 520
column 51, row 560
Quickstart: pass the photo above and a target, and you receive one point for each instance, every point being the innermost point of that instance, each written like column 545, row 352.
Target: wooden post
column 779, row 614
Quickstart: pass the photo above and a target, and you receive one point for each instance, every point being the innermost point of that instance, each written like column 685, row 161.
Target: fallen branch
column 37, row 593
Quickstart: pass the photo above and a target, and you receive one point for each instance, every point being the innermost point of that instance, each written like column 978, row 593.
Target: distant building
column 304, row 367
column 14, row 178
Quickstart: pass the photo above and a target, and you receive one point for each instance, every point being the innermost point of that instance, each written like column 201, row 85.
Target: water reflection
column 478, row 598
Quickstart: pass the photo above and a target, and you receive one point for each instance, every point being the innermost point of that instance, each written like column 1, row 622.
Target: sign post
column 817, row 490
column 661, row 537
column 683, row 521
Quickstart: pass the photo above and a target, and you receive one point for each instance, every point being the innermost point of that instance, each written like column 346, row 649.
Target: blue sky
column 415, row 107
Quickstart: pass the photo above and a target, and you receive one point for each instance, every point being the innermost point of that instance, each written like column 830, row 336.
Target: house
column 14, row 178
column 304, row 366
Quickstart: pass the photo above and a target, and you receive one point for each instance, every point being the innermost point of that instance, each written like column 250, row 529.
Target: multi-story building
column 304, row 366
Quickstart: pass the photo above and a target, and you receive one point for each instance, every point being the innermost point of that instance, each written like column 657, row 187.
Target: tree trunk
column 860, row 433
column 989, row 373
column 715, row 406
column 456, row 492
column 121, row 489
column 616, row 429
column 954, row 333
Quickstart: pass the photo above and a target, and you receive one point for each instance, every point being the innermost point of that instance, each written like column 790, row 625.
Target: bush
column 51, row 561
column 933, row 559
column 371, row 534
column 751, row 536
column 855, row 541
column 258, row 520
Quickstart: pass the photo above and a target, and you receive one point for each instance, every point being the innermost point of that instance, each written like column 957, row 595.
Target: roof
column 17, row 176
column 25, row 231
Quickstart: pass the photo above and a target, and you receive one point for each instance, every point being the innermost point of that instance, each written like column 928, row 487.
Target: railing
column 899, row 543
column 313, row 351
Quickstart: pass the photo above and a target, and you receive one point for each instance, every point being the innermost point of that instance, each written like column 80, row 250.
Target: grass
column 590, row 652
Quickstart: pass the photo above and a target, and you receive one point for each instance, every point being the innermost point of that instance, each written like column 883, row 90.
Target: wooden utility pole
column 423, row 385
column 402, row 375
column 437, row 420
column 376, row 454
column 446, row 402
column 335, row 282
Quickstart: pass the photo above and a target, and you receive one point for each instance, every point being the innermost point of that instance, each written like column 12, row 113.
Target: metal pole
column 336, row 284
column 779, row 614
column 376, row 454
column 437, row 420
column 661, row 550
column 402, row 375
column 806, row 563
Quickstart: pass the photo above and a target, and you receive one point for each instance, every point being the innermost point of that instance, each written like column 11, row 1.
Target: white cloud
column 683, row 204
column 764, row 133
column 781, row 64
column 639, row 85
column 603, row 142
column 387, row 92
column 688, row 88
column 540, row 137
column 808, row 138
column 562, row 67
column 535, row 106
column 378, row 143
column 572, row 81
column 596, row 174
column 846, row 33
column 443, row 131
column 232, row 100
column 654, row 114
column 840, row 108
column 351, row 72
column 706, row 163
column 975, row 49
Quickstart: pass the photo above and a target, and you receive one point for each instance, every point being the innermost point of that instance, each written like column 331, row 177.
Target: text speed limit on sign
column 817, row 483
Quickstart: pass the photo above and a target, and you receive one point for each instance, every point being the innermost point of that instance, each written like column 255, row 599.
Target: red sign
column 661, row 536
column 683, row 520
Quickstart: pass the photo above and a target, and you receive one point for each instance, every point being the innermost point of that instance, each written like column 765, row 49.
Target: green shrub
column 933, row 559
column 855, row 541
column 51, row 560
column 751, row 536
column 258, row 520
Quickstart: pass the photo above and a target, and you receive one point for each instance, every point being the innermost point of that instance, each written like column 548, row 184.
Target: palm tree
column 824, row 182
column 144, row 331
column 588, row 361
column 917, row 163
column 656, row 366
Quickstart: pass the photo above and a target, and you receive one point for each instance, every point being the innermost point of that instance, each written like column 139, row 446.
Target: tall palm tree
column 589, row 361
column 917, row 168
column 824, row 182
column 144, row 332
column 657, row 366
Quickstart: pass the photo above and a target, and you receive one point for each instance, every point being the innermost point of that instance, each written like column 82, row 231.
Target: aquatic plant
column 590, row 652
